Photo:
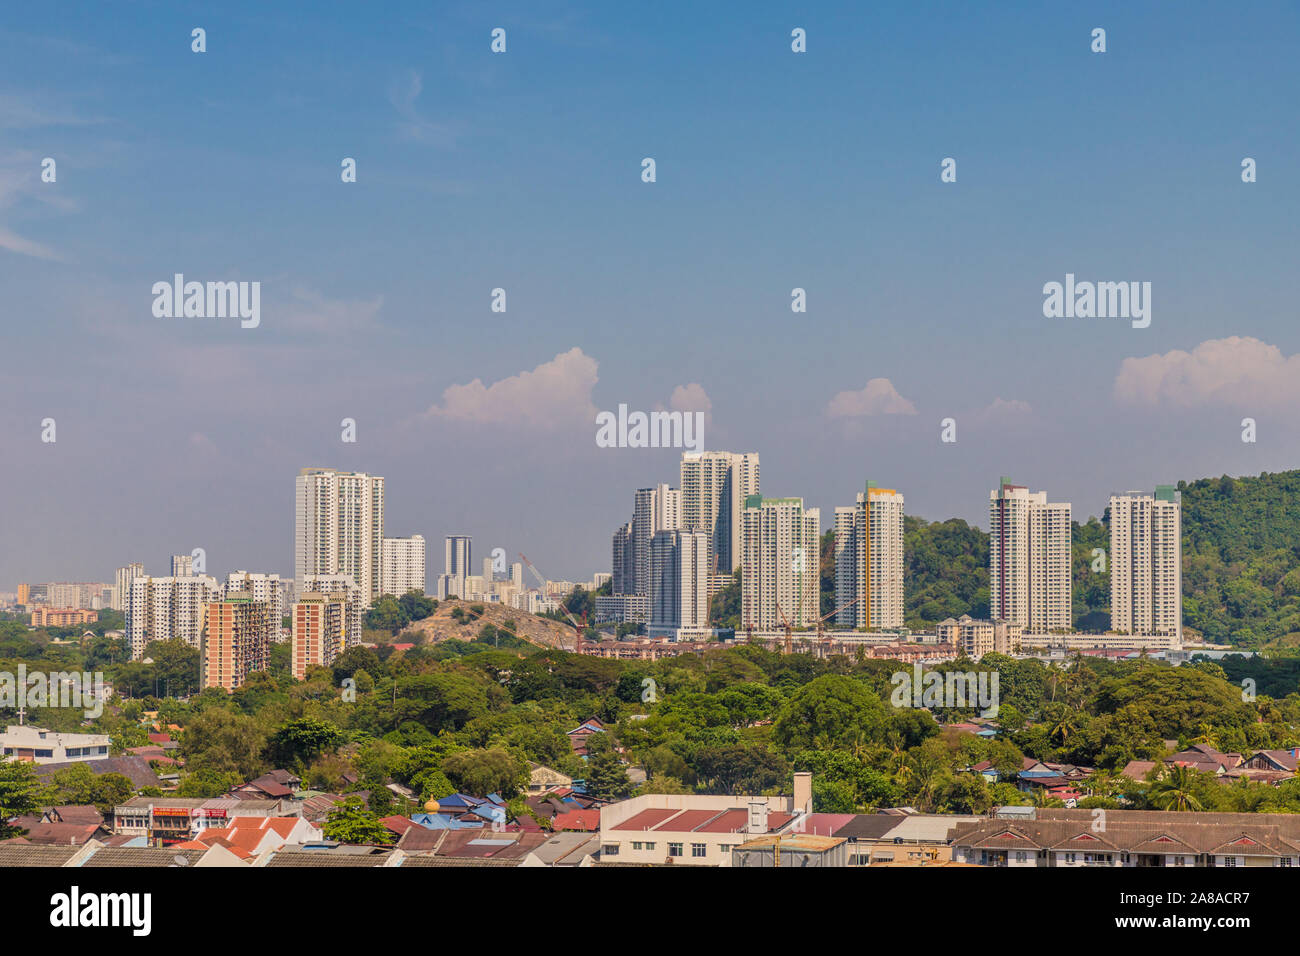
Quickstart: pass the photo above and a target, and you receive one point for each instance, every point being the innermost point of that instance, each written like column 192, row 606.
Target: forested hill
column 1241, row 563
column 1241, row 557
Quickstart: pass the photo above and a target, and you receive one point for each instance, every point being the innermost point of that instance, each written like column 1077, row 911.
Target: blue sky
column 522, row 170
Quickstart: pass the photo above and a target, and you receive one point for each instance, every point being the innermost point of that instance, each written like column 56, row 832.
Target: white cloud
column 555, row 393
column 1002, row 411
column 13, row 242
column 1236, row 371
column 20, row 182
column 879, row 397
column 689, row 398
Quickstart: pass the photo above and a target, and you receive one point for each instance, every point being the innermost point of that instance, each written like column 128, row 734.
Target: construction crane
column 821, row 645
column 579, row 629
column 789, row 628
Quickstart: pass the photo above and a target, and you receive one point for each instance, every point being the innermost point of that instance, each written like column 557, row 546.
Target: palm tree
column 1043, row 799
column 1208, row 736
column 1063, row 724
column 1173, row 790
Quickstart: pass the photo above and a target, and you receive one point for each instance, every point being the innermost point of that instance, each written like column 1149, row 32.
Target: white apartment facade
column 1029, row 559
column 122, row 584
column 780, row 563
column 654, row 509
column 339, row 527
column 869, row 560
column 1146, row 576
column 679, row 583
column 458, row 552
column 402, row 565
column 163, row 609
column 714, row 487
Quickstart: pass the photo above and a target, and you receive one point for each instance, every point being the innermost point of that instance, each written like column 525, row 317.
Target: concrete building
column 339, row 527
column 780, row 563
column 1146, row 563
column 622, row 609
column 402, row 565
column 977, row 638
column 679, row 583
column 265, row 588
column 696, row 829
column 458, row 553
column 236, row 641
column 46, row 616
column 714, row 487
column 319, row 631
column 654, row 509
column 122, row 584
column 1029, row 559
column 162, row 609
column 34, row 745
column 340, row 586
column 182, row 565
column 624, row 561
column 62, row 594
column 1037, row 837
column 869, row 560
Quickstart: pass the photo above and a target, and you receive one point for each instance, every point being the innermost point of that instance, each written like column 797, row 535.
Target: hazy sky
column 522, row 171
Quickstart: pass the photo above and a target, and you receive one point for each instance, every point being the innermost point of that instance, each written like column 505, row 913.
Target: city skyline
column 652, row 499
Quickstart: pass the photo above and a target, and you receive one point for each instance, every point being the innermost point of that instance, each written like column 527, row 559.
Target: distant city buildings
column 1146, row 563
column 65, row 594
column 457, row 554
column 45, row 616
column 869, row 560
column 780, row 563
column 182, row 565
column 339, row 527
column 122, row 584
column 713, row 490
column 402, row 565
column 1030, row 581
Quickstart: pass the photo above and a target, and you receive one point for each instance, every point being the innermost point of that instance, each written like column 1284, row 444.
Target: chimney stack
column 802, row 793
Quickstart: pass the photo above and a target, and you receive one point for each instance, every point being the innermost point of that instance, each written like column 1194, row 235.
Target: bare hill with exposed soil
column 442, row 626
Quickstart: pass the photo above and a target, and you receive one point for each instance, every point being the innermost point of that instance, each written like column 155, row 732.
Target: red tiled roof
column 688, row 820
column 826, row 824
column 584, row 820
column 729, row 821
column 397, row 823
column 647, row 819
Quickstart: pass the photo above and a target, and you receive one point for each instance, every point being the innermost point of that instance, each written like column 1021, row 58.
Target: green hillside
column 1241, row 557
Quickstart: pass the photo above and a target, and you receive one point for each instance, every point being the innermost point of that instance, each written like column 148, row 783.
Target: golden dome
column 432, row 806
